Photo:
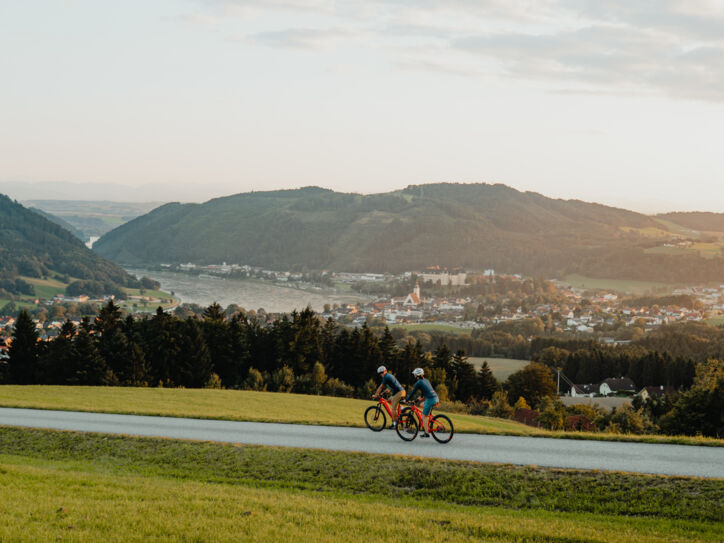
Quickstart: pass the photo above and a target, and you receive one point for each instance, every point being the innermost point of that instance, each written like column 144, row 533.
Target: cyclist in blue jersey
column 393, row 385
column 431, row 399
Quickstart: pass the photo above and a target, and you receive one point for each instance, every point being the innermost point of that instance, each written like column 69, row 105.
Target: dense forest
column 33, row 246
column 475, row 226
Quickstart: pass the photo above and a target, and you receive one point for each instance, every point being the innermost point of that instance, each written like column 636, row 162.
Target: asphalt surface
column 560, row 453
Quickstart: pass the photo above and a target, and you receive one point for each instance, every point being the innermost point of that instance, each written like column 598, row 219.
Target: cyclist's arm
column 379, row 390
column 415, row 388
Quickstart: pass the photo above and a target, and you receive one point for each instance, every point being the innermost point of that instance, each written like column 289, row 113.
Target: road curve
column 559, row 453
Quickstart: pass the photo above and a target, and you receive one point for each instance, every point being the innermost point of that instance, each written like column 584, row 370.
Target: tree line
column 299, row 352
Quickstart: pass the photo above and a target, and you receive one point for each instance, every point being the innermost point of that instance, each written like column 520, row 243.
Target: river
column 248, row 293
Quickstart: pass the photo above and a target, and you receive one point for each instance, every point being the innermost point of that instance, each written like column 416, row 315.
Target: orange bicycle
column 375, row 417
column 410, row 421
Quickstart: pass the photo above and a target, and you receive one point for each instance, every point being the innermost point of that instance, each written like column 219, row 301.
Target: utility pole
column 558, row 383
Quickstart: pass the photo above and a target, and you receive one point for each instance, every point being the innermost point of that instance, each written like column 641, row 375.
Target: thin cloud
column 671, row 47
column 303, row 38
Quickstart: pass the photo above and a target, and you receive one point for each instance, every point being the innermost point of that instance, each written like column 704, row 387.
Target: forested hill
column 60, row 222
column 474, row 226
column 33, row 246
column 697, row 220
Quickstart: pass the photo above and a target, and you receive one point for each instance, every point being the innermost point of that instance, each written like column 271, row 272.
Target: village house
column 588, row 390
column 656, row 392
column 612, row 386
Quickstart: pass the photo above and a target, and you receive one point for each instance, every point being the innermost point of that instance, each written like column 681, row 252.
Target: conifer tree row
column 299, row 352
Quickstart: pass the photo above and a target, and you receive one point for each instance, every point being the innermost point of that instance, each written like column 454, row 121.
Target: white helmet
column 381, row 369
column 418, row 372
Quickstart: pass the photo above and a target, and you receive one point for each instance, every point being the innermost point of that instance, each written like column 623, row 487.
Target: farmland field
column 64, row 485
column 705, row 250
column 501, row 367
column 46, row 288
column 432, row 327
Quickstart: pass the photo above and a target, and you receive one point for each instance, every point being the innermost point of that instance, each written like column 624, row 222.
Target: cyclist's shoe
column 424, row 435
column 393, row 425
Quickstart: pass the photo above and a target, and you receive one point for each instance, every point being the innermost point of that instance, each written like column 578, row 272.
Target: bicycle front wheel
column 375, row 418
column 441, row 428
column 407, row 426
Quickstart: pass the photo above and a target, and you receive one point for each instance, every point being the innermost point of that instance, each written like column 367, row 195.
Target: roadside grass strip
column 252, row 406
column 57, row 504
column 241, row 405
column 697, row 504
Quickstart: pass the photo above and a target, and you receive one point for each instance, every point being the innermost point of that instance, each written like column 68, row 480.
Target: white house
column 611, row 386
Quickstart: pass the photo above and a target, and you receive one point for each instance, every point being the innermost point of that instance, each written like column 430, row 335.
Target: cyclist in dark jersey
column 393, row 385
column 431, row 399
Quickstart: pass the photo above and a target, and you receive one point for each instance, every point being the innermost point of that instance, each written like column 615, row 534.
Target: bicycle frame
column 388, row 407
column 418, row 413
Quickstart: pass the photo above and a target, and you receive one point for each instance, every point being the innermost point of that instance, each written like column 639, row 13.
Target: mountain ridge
column 475, row 226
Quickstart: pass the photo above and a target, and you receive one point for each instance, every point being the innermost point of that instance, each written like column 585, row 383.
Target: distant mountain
column 33, row 246
column 60, row 222
column 697, row 220
column 93, row 217
column 475, row 226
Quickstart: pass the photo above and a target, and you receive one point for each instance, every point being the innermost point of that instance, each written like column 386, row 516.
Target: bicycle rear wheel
column 375, row 418
column 407, row 426
column 441, row 428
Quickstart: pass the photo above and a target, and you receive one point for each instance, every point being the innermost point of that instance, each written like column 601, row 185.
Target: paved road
column 561, row 453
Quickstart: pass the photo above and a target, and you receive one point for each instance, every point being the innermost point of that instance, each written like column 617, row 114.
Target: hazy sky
column 616, row 101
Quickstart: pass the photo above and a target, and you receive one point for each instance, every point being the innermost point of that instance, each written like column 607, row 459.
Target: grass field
column 501, row 367
column 46, row 288
column 677, row 228
column 716, row 321
column 224, row 404
column 249, row 405
column 705, row 250
column 432, row 327
column 649, row 231
column 619, row 285
column 91, row 487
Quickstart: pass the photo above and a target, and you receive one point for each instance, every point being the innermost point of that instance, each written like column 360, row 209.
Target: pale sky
column 615, row 101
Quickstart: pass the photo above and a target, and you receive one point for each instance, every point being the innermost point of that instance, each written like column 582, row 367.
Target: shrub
column 214, row 381
column 499, row 406
column 254, row 381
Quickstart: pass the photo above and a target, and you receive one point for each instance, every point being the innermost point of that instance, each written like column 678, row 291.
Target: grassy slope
column 63, row 484
column 46, row 288
column 223, row 404
column 432, row 327
column 266, row 407
column 502, row 368
column 636, row 287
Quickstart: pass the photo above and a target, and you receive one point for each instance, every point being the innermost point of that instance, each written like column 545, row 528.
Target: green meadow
column 247, row 405
column 243, row 405
column 432, row 327
column 502, row 368
column 92, row 487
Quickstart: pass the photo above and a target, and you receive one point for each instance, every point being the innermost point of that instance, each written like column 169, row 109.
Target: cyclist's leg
column 395, row 401
column 429, row 404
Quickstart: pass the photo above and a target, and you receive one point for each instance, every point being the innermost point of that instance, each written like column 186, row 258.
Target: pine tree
column 193, row 366
column 57, row 362
column 487, row 384
column 467, row 386
column 89, row 366
column 389, row 350
column 23, row 351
